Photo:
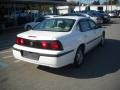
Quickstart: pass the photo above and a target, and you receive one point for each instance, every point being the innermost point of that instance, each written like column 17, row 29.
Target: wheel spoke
column 79, row 57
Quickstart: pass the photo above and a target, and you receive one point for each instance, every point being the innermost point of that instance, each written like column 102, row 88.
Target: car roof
column 71, row 17
column 51, row 15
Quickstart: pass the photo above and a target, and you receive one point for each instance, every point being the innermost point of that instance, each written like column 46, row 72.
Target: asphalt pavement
column 100, row 70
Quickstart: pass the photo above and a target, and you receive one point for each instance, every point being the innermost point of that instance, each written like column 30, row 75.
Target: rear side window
column 40, row 19
column 84, row 25
column 92, row 24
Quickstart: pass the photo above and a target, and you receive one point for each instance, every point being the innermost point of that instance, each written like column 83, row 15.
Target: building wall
column 63, row 9
column 95, row 7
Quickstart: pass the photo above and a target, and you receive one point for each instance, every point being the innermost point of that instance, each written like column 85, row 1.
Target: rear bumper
column 52, row 60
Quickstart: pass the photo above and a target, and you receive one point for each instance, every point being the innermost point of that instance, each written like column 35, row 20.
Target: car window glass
column 78, row 27
column 58, row 25
column 84, row 25
column 92, row 24
column 40, row 19
column 90, row 13
column 49, row 24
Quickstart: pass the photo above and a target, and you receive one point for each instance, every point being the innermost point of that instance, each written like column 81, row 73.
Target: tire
column 102, row 40
column 79, row 57
column 29, row 27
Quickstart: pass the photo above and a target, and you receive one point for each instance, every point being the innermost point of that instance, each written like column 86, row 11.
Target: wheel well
column 28, row 26
column 103, row 33
column 83, row 47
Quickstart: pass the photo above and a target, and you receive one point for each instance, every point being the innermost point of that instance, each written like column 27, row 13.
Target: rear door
column 97, row 32
column 88, row 33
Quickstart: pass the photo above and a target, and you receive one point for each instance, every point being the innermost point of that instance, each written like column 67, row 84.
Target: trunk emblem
column 32, row 36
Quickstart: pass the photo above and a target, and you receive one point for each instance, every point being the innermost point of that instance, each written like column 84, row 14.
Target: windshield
column 55, row 25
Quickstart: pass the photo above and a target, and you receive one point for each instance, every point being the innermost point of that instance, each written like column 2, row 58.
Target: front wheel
column 79, row 57
column 102, row 39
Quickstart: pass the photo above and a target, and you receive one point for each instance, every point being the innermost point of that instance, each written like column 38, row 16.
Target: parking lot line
column 6, row 57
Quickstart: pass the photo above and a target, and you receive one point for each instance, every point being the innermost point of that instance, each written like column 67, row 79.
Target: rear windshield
column 55, row 25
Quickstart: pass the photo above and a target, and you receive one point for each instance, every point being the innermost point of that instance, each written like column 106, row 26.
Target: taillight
column 19, row 41
column 22, row 41
column 44, row 44
column 51, row 45
column 55, row 45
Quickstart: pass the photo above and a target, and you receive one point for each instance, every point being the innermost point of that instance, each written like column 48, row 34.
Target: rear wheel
column 79, row 57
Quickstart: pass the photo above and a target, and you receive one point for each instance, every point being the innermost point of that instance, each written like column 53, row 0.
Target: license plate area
column 30, row 55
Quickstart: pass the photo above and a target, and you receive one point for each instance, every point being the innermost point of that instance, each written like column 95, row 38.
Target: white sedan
column 31, row 25
column 58, row 41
